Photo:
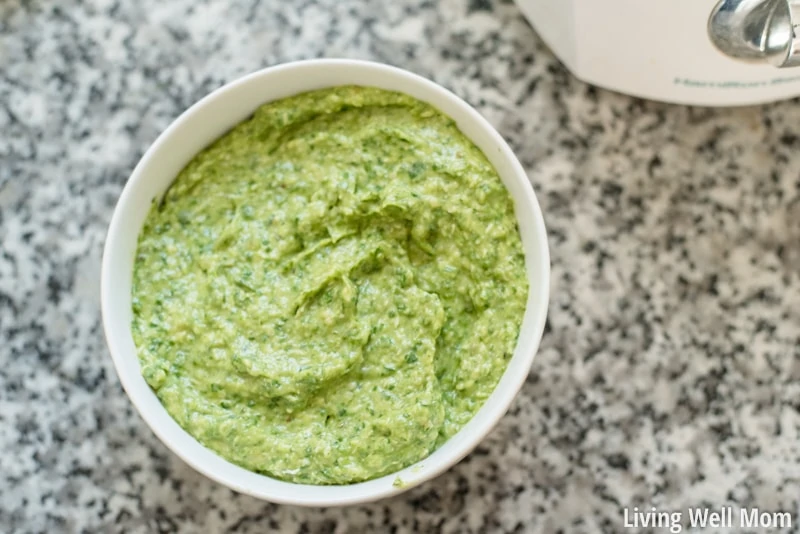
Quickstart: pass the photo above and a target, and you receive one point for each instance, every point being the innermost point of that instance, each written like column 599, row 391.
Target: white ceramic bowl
column 207, row 120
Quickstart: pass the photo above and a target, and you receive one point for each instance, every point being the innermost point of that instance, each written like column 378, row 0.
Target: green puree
column 332, row 289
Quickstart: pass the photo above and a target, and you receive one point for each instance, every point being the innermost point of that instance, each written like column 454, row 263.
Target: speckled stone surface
column 669, row 374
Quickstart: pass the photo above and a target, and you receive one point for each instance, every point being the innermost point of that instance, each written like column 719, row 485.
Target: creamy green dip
column 332, row 289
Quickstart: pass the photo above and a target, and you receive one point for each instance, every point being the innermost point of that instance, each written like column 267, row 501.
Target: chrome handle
column 757, row 30
column 782, row 43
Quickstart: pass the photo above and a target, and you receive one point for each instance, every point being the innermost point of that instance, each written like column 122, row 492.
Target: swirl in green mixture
column 332, row 289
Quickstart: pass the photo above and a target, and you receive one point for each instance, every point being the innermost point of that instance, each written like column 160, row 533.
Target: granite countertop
column 669, row 373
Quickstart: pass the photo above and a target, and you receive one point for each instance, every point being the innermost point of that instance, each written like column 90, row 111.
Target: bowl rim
column 458, row 446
